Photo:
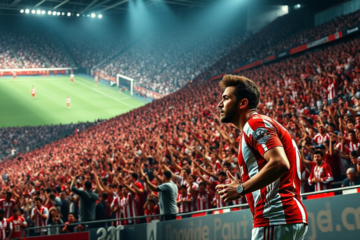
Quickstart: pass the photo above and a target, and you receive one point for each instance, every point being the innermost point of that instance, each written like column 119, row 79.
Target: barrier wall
column 331, row 218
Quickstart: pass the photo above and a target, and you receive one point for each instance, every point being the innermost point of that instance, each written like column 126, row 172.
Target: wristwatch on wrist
column 240, row 189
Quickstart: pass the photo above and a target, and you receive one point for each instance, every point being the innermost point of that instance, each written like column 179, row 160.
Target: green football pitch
column 88, row 102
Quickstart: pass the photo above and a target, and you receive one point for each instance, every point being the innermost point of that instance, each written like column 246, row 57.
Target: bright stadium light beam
column 22, row 11
column 27, row 11
column 93, row 15
column 54, row 13
column 69, row 14
column 33, row 11
column 78, row 14
column 63, row 13
column 38, row 11
column 58, row 13
column 43, row 12
column 99, row 16
column 49, row 12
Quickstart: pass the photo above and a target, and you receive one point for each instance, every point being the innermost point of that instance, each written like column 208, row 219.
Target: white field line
column 111, row 91
column 105, row 94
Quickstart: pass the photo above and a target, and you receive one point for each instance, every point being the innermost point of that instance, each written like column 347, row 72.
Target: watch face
column 240, row 189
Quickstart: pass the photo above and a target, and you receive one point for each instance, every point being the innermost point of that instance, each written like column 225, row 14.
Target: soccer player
column 270, row 163
column 17, row 223
column 4, row 225
column 72, row 77
column 68, row 100
column 14, row 75
column 96, row 79
column 33, row 91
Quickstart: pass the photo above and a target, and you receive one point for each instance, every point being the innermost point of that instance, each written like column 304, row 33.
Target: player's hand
column 228, row 192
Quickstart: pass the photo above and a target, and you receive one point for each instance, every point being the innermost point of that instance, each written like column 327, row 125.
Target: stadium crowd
column 280, row 35
column 315, row 96
column 19, row 139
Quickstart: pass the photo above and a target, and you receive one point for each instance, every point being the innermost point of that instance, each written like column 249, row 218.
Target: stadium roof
column 13, row 7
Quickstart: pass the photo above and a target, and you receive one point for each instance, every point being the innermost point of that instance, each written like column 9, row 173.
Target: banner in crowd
column 68, row 236
column 330, row 218
column 105, row 77
column 301, row 48
column 34, row 71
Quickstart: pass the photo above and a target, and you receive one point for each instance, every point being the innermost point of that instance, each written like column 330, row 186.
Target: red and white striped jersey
column 184, row 207
column 219, row 201
column 17, row 225
column 40, row 221
column 4, row 225
column 324, row 173
column 128, row 205
column 278, row 203
column 203, row 201
column 319, row 139
column 154, row 211
column 117, row 202
column 8, row 207
column 71, row 76
column 353, row 146
column 33, row 90
column 331, row 91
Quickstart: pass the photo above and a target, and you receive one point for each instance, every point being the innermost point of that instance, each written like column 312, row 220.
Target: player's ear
column 243, row 103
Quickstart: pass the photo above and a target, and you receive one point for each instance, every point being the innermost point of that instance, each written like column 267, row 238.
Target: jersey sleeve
column 262, row 135
column 113, row 202
column 328, row 174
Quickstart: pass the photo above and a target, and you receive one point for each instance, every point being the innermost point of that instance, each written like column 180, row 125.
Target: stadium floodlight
column 69, row 14
column 99, row 16
column 49, row 12
column 88, row 15
column 58, row 13
column 43, row 12
column 125, row 82
column 22, row 11
column 54, row 13
column 297, row 6
column 93, row 15
column 27, row 11
column 38, row 11
column 78, row 14
column 33, row 11
column 63, row 13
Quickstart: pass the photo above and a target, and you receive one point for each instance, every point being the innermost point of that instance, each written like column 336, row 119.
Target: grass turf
column 88, row 102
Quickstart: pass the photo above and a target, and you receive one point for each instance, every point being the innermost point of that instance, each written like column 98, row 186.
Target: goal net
column 124, row 83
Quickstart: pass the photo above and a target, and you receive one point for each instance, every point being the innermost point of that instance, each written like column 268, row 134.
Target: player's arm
column 11, row 231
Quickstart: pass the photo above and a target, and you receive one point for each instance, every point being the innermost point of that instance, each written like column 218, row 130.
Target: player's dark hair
column 38, row 199
column 120, row 187
column 187, row 170
column 52, row 196
column 104, row 195
column 319, row 152
column 244, row 88
column 351, row 131
column 15, row 210
column 9, row 194
column 222, row 173
column 183, row 186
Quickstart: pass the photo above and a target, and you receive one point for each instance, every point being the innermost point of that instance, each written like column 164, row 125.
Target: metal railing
column 107, row 223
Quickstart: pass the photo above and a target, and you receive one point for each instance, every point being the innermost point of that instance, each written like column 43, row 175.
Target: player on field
column 270, row 162
column 17, row 223
column 96, row 79
column 14, row 75
column 72, row 77
column 68, row 100
column 33, row 91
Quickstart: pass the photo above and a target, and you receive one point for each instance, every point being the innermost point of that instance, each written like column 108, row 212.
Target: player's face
column 228, row 107
column 17, row 213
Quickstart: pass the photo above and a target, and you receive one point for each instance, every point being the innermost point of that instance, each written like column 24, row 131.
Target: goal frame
column 127, row 78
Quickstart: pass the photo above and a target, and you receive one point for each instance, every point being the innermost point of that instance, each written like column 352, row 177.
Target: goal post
column 125, row 82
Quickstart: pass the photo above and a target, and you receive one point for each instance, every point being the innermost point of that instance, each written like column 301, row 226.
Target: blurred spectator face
column 357, row 120
column 17, row 214
column 222, row 178
column 318, row 159
column 125, row 192
column 353, row 159
column 352, row 137
column 71, row 218
column 151, row 205
column 183, row 191
column 184, row 174
column 321, row 128
column 351, row 174
column 350, row 126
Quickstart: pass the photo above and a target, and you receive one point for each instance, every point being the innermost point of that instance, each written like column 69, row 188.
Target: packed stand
column 29, row 49
column 177, row 56
column 14, row 140
column 89, row 49
column 315, row 96
column 277, row 37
